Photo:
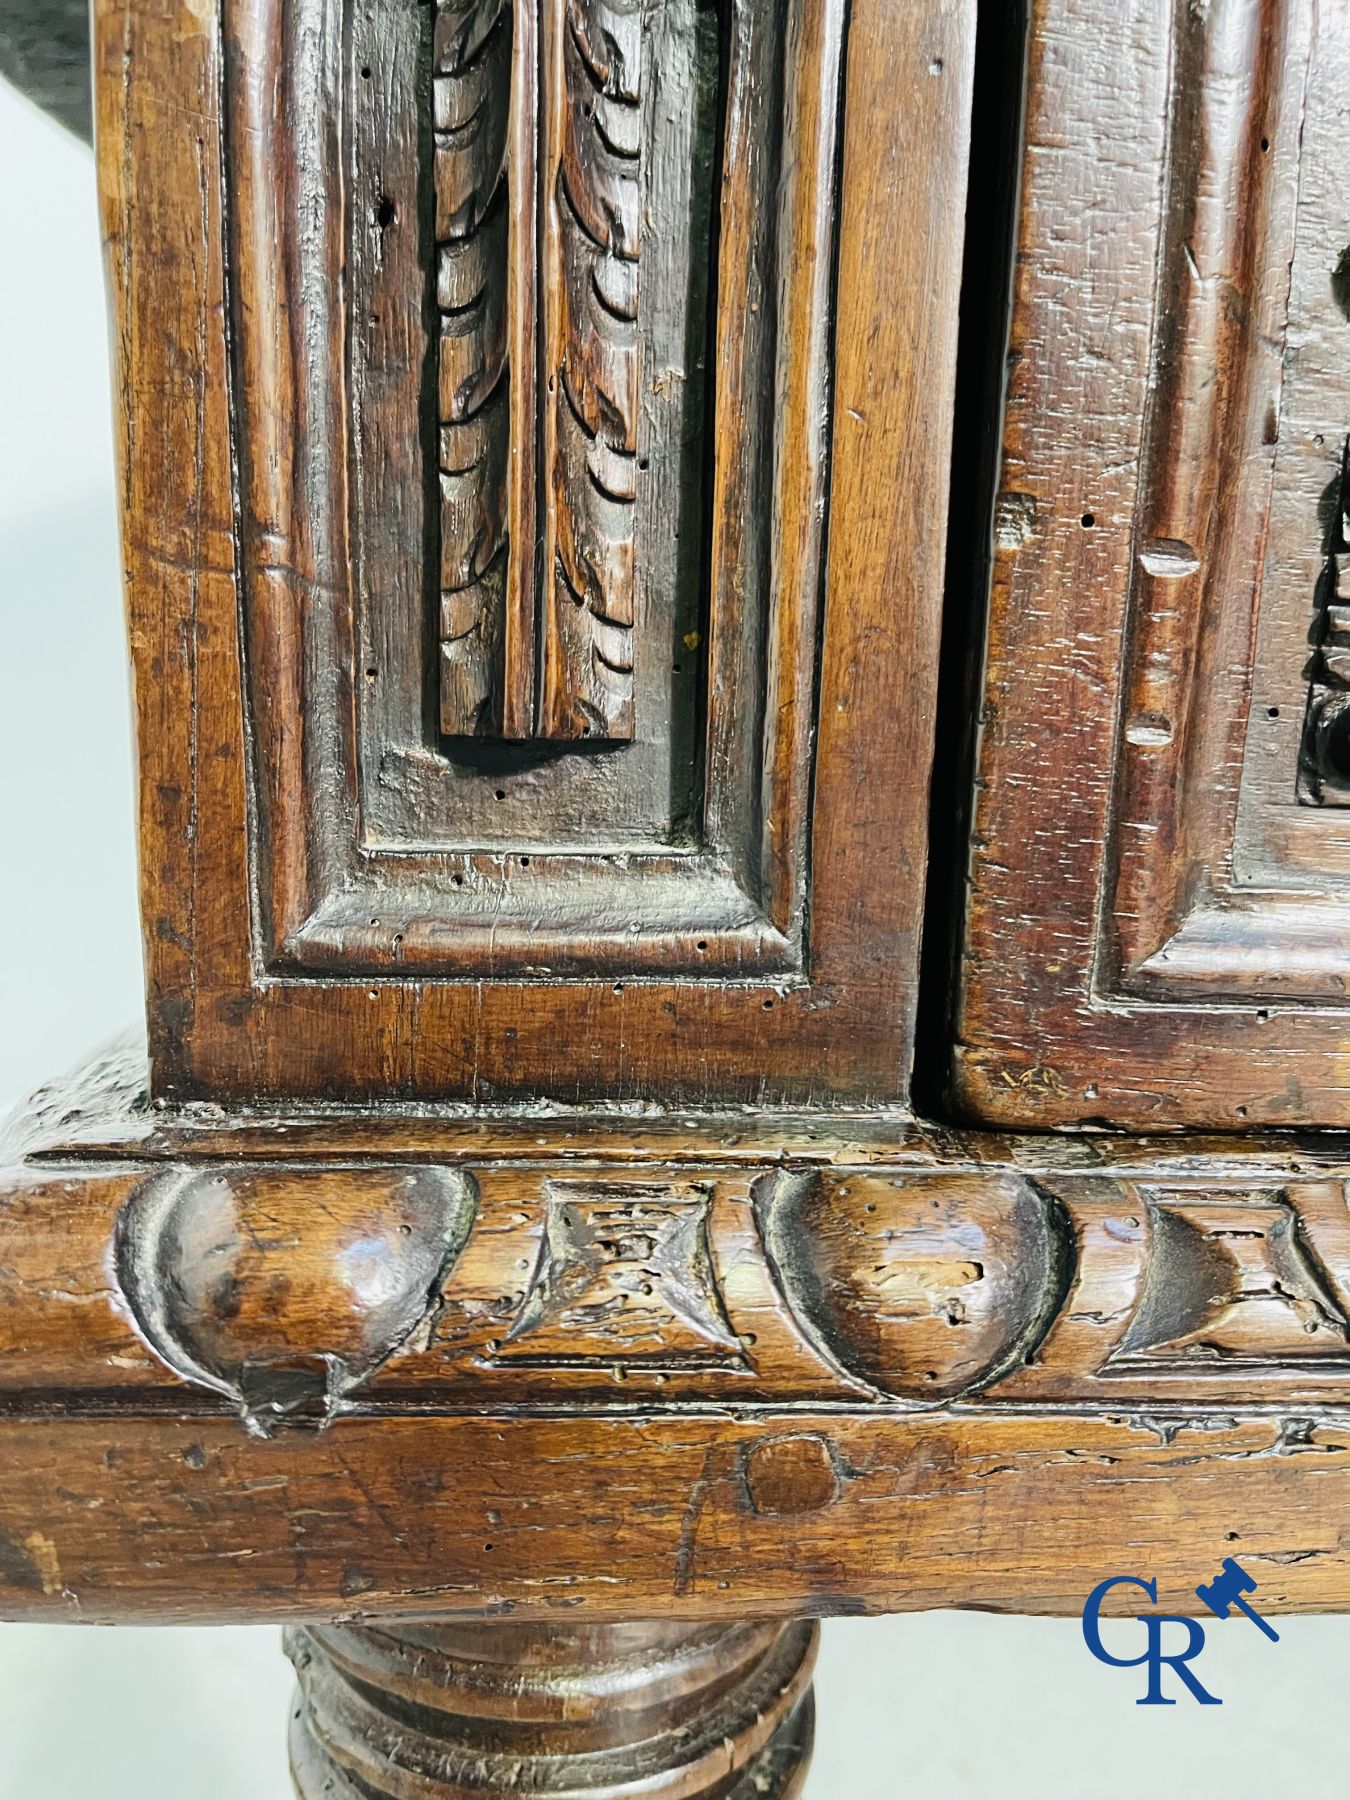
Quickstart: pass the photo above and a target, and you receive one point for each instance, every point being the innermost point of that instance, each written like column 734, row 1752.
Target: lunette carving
column 285, row 1289
column 1243, row 1290
column 1229, row 1280
column 925, row 1290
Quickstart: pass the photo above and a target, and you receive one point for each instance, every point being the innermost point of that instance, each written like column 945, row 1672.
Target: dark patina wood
column 413, row 1363
column 538, row 359
column 1157, row 929
column 671, row 965
column 535, row 431
column 676, row 1712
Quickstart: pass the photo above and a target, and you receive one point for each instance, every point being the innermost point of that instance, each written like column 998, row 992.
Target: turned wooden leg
column 668, row 1712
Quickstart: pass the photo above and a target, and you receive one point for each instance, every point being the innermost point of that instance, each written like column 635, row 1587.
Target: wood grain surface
column 671, row 1711
column 758, row 946
column 1157, row 923
column 174, row 1517
column 519, row 1228
column 278, row 1367
column 472, row 80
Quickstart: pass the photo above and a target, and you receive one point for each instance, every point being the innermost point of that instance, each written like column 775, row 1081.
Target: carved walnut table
column 740, row 622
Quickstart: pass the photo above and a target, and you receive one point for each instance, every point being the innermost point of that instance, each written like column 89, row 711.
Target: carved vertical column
column 1324, row 760
column 536, row 290
column 594, row 61
column 474, row 193
column 442, row 1712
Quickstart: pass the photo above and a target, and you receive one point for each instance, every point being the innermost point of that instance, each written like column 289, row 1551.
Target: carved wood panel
column 290, row 1269
column 423, row 306
column 592, row 282
column 278, row 1361
column 1324, row 754
column 538, row 363
column 480, row 504
column 921, row 1287
column 323, row 1362
column 1159, row 916
column 481, row 493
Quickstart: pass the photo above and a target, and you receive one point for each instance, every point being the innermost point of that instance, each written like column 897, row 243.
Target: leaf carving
column 472, row 90
column 588, row 666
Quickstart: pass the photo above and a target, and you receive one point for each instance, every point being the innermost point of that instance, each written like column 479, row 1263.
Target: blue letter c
column 1092, row 1609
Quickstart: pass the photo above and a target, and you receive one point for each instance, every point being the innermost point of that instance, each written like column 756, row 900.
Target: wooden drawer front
column 535, row 535
column 1159, row 922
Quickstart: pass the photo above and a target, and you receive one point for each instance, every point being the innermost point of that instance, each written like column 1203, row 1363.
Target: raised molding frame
column 732, row 898
column 901, row 1339
column 771, row 958
column 1156, row 929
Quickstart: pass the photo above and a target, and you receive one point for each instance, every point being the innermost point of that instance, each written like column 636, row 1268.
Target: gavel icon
column 1226, row 1591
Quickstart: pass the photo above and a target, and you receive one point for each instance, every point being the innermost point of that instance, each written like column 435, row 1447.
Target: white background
column 951, row 1704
